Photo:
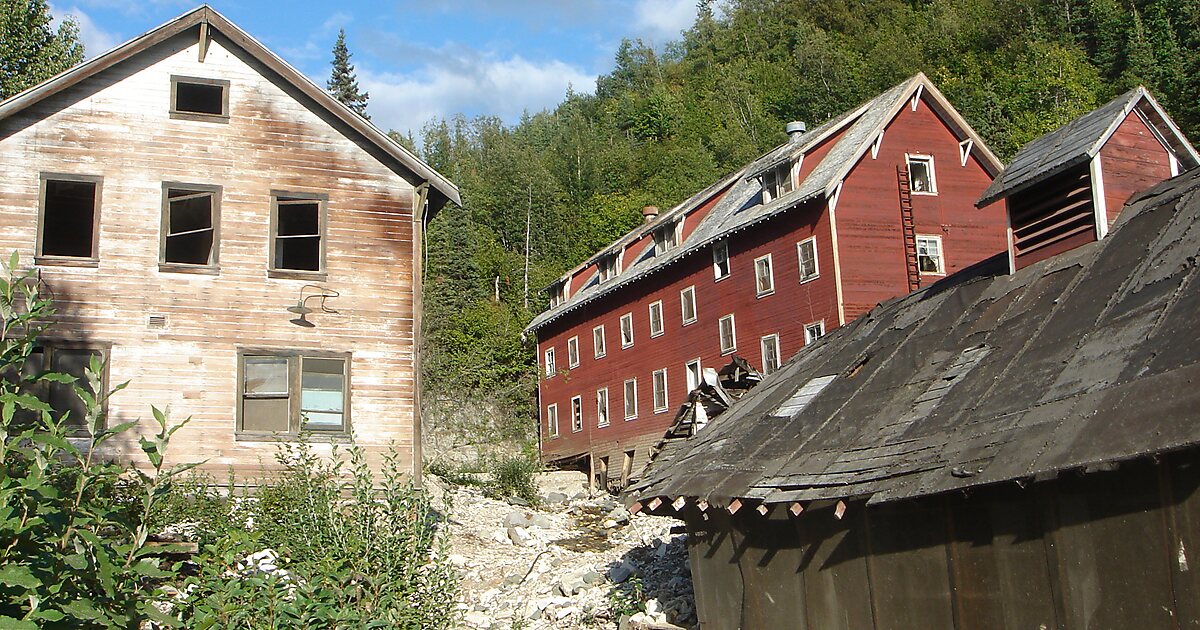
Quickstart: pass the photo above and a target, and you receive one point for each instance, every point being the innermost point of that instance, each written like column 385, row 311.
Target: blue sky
column 420, row 60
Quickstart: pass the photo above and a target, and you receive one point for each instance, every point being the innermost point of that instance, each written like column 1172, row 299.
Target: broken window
column 807, row 252
column 197, row 98
column 297, row 243
column 631, row 399
column 728, row 334
column 69, row 216
column 598, row 341
column 552, row 420
column 666, row 237
column 656, row 319
column 694, row 374
column 573, row 352
column 190, row 218
column 764, row 278
column 627, row 330
column 609, row 267
column 558, row 293
column 550, row 362
column 929, row 255
column 778, row 181
column 660, row 390
column 687, row 305
column 602, row 407
column 290, row 393
column 921, row 180
column 62, row 398
column 770, row 353
column 814, row 331
column 576, row 414
column 720, row 252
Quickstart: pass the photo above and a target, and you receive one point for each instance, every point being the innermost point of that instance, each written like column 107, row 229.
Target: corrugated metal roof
column 1089, row 357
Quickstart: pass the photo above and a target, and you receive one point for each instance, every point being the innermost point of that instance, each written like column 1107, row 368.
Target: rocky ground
column 572, row 561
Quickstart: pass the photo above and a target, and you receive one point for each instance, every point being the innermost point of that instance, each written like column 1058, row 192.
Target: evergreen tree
column 343, row 84
column 31, row 51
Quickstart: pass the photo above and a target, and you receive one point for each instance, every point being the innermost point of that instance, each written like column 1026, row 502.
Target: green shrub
column 512, row 476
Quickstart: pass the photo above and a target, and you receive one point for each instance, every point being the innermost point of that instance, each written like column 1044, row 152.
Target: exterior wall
column 1106, row 550
column 1132, row 160
column 116, row 125
column 870, row 240
column 1053, row 217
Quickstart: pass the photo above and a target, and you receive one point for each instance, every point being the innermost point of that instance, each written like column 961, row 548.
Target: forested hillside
column 542, row 195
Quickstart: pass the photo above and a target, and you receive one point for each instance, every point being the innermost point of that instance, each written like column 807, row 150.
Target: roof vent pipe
column 650, row 213
column 795, row 129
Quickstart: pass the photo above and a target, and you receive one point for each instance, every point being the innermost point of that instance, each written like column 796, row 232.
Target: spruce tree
column 343, row 84
column 31, row 51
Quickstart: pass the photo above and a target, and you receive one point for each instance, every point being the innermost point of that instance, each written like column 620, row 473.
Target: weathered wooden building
column 229, row 238
column 872, row 204
column 998, row 450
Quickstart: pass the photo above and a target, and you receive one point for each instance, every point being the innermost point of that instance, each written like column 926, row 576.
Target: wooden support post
column 591, row 474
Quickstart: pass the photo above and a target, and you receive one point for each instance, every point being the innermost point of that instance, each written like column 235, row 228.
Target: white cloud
column 501, row 87
column 95, row 39
column 663, row 20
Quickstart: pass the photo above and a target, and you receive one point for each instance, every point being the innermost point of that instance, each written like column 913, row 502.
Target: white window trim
column 552, row 419
column 627, row 399
column 661, row 324
column 941, row 254
column 551, row 366
column 690, row 292
column 602, row 419
column 759, row 291
column 800, row 260
column 573, row 357
column 732, row 334
column 688, row 372
column 627, row 317
column 909, row 158
column 602, row 349
column 722, row 245
column 576, row 427
column 762, row 346
column 808, row 338
column 666, row 391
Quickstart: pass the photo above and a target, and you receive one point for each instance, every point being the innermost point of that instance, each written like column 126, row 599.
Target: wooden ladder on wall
column 909, row 229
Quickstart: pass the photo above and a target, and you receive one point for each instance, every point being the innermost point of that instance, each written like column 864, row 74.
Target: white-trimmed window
column 558, row 293
column 720, row 252
column 929, row 255
column 921, row 179
column 694, row 374
column 728, row 334
column 598, row 346
column 552, row 420
column 814, row 331
column 770, row 353
column 764, row 276
column 627, row 330
column 610, row 266
column 631, row 399
column 666, row 236
column 573, row 352
column 602, row 407
column 778, row 181
column 576, row 414
column 660, row 390
column 550, row 362
column 656, row 319
column 687, row 305
column 806, row 250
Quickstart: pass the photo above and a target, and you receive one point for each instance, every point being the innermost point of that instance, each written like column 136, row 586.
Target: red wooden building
column 868, row 206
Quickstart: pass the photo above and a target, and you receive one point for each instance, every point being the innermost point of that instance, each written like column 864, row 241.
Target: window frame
column 941, row 257
column 773, row 339
column 576, row 414
column 687, row 296
column 177, row 114
column 810, row 338
column 92, row 260
column 214, row 258
column 693, row 377
column 41, row 391
column 732, row 334
column 630, row 399
column 759, row 290
column 608, row 267
column 295, row 364
column 666, row 237
column 551, row 366
column 721, row 247
column 602, row 417
column 599, row 350
column 322, row 200
column 655, row 378
column 573, row 352
column 800, row 260
column 552, row 420
column 909, row 159
column 627, row 318
column 662, row 328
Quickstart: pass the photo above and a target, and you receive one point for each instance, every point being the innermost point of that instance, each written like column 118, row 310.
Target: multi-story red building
column 870, row 205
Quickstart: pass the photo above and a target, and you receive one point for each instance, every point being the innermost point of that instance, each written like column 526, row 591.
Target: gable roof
column 412, row 168
column 1075, row 362
column 742, row 206
column 1081, row 139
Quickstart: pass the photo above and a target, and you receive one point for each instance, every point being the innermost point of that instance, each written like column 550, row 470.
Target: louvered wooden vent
column 156, row 321
column 1053, row 217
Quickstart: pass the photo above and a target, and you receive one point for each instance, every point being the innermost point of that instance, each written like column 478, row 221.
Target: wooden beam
column 763, row 509
column 702, row 504
column 796, row 508
column 635, row 508
column 840, row 510
column 734, row 506
column 654, row 503
column 203, row 41
column 679, row 503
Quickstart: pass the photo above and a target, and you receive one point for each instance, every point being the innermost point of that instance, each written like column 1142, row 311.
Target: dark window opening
column 61, row 397
column 297, row 234
column 190, row 227
column 69, row 218
column 200, row 98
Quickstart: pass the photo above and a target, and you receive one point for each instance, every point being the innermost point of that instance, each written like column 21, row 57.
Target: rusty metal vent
column 156, row 321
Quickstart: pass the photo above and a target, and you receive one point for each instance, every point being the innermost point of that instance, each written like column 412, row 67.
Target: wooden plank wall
column 1132, row 160
column 116, row 125
column 1103, row 550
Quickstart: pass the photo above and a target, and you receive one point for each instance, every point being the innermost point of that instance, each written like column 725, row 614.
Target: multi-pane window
column 558, row 293
column 807, row 252
column 552, row 420
column 293, row 392
column 599, row 348
column 814, row 331
column 764, row 277
column 577, row 414
column 610, row 266
column 70, row 215
column 602, row 407
column 297, row 236
column 921, row 179
column 194, row 98
column 656, row 319
column 550, row 369
column 929, row 255
column 666, row 237
column 627, row 330
column 687, row 305
column 190, row 222
column 720, row 253
column 68, row 360
column 770, row 353
column 573, row 352
column 694, row 374
column 728, row 334
column 778, row 181
column 660, row 390
column 631, row 399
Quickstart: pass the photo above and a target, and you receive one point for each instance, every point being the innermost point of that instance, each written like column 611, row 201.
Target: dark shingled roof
column 1081, row 139
column 1087, row 358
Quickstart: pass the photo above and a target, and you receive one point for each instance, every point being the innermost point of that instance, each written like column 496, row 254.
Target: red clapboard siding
column 1132, row 160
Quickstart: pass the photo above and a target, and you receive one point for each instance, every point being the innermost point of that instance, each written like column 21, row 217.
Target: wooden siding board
column 1132, row 160
column 770, row 560
column 837, row 590
column 910, row 584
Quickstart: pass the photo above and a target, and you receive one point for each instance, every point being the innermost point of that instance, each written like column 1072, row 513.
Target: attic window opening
column 297, row 238
column 190, row 225
column 778, row 181
column 199, row 99
column 921, row 179
column 609, row 267
column 558, row 293
column 70, row 214
column 666, row 237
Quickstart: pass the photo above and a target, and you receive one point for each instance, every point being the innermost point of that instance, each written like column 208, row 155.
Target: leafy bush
column 512, row 476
